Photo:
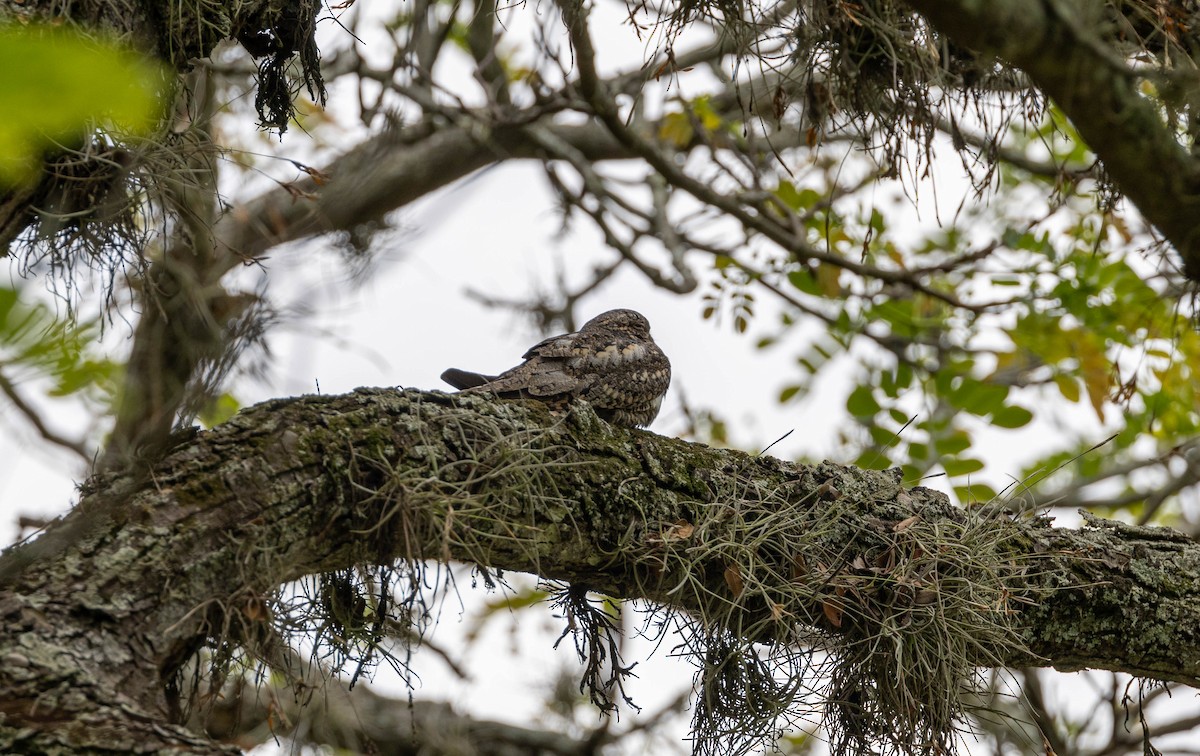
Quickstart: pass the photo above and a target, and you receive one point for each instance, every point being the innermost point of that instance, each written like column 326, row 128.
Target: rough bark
column 91, row 641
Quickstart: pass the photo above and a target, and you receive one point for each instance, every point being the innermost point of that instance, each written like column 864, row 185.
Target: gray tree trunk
column 92, row 638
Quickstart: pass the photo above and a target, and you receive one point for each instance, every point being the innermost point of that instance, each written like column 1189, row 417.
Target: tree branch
column 359, row 720
column 383, row 174
column 1101, row 96
column 31, row 414
column 295, row 487
column 596, row 91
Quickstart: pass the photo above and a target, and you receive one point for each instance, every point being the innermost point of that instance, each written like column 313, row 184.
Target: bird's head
column 629, row 321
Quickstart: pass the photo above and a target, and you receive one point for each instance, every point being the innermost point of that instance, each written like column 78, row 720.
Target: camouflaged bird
column 612, row 363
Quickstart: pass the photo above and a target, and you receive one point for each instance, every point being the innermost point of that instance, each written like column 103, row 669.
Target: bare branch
column 78, row 447
column 1099, row 94
column 359, row 720
column 595, row 91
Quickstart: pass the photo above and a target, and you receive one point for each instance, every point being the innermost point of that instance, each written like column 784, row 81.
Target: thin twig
column 10, row 391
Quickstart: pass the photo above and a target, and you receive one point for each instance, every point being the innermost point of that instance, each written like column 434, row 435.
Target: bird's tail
column 465, row 379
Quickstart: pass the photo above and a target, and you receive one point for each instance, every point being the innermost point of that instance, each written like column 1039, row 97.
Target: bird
column 612, row 363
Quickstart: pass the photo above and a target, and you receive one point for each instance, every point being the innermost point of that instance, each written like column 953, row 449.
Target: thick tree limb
column 295, row 487
column 383, row 174
column 1065, row 58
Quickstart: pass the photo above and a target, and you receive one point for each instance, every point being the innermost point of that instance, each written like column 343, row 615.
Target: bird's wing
column 548, row 370
column 538, row 377
column 555, row 346
column 541, row 374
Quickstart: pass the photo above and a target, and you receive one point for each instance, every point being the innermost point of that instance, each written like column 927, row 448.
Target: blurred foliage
column 505, row 606
column 1055, row 317
column 58, row 84
column 55, row 82
column 219, row 409
column 36, row 344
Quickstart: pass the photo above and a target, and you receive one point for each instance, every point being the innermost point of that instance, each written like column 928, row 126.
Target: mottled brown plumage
column 612, row 363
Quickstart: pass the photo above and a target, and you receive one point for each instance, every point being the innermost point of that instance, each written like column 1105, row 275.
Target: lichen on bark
column 750, row 550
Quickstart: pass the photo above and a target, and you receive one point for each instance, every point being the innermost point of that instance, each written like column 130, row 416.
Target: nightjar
column 612, row 363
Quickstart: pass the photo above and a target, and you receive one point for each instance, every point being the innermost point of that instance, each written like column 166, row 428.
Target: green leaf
column 75, row 375
column 978, row 397
column 796, row 199
column 1096, row 372
column 1068, row 386
column 35, row 342
column 882, row 436
column 892, row 382
column 956, row 466
column 829, row 280
column 877, row 222
column 504, row 606
column 955, row 443
column 873, row 459
column 861, row 402
column 702, row 108
column 676, row 128
column 976, row 493
column 1012, row 416
column 804, row 280
column 55, row 81
column 219, row 410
